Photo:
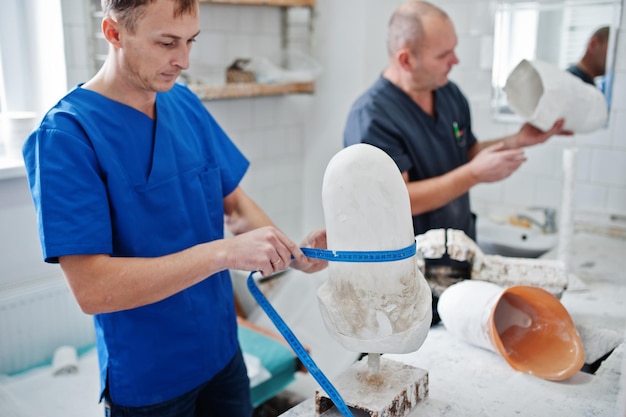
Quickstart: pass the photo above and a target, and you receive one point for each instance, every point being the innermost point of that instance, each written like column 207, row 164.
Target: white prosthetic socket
column 541, row 93
column 382, row 307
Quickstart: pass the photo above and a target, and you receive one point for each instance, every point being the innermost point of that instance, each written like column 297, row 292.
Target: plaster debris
column 549, row 274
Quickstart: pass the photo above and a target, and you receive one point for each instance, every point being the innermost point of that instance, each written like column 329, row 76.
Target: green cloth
column 275, row 356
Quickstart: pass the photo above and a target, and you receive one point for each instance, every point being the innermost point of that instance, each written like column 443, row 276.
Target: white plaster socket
column 380, row 307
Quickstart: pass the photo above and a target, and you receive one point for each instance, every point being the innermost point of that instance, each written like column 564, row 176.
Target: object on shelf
column 238, row 90
column 277, row 3
column 238, row 72
column 288, row 67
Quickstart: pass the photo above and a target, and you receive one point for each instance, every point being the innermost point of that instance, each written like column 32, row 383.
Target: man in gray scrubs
column 422, row 120
column 593, row 62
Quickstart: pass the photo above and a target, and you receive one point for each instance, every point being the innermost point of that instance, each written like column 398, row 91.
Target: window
column 3, row 98
column 32, row 67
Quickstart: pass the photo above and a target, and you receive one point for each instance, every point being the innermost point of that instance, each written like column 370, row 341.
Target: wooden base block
column 392, row 392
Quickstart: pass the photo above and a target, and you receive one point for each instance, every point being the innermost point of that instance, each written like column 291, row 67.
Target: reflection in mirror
column 557, row 32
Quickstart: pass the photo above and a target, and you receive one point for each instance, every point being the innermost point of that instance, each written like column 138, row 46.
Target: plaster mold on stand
column 379, row 307
column 526, row 325
column 371, row 307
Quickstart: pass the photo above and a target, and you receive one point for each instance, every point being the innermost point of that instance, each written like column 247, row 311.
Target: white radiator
column 37, row 319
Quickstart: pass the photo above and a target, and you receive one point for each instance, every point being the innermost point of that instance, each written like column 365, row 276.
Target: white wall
column 20, row 256
column 349, row 41
column 271, row 131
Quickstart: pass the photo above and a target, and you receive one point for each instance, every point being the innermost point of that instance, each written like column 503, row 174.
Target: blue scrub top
column 420, row 144
column 106, row 178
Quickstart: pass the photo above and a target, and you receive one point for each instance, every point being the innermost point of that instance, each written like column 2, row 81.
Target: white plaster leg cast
column 541, row 93
column 380, row 307
column 528, row 326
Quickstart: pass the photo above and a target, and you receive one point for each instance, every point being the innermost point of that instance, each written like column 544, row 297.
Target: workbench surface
column 470, row 381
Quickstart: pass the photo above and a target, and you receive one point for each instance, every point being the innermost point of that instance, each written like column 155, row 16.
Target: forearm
column 102, row 283
column 509, row 142
column 433, row 193
column 528, row 135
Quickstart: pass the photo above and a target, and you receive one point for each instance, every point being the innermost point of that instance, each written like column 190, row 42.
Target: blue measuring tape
column 328, row 255
column 360, row 256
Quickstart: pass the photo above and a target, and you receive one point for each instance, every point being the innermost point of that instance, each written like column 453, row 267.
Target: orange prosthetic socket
column 527, row 325
column 546, row 343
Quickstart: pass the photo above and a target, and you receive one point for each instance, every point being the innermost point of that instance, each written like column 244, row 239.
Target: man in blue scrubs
column 132, row 181
column 422, row 120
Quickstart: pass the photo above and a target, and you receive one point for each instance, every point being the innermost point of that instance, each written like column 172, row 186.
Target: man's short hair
column 127, row 12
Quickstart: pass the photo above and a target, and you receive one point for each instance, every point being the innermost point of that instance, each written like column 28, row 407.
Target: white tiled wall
column 271, row 131
column 229, row 32
column 77, row 41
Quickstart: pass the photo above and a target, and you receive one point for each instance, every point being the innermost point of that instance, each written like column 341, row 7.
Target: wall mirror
column 551, row 31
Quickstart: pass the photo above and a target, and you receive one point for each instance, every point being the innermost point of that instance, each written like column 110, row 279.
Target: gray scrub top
column 422, row 145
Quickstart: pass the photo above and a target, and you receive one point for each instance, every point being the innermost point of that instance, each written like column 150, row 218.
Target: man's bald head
column 406, row 26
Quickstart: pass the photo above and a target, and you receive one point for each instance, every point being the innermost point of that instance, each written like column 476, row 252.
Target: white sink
column 514, row 241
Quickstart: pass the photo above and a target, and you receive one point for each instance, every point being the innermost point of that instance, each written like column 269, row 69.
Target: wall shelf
column 240, row 90
column 276, row 3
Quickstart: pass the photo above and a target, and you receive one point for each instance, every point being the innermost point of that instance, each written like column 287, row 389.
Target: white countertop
column 469, row 381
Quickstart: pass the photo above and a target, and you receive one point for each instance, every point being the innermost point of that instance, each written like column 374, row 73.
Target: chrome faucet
column 549, row 214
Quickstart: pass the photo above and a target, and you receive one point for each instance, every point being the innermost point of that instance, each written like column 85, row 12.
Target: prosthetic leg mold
column 382, row 307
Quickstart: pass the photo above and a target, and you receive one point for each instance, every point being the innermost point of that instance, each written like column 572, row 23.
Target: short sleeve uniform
column 107, row 179
column 422, row 145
